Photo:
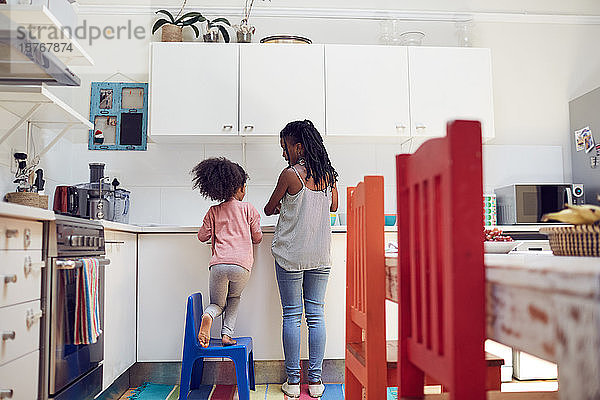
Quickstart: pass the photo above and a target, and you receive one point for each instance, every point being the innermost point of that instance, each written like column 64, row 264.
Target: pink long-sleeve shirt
column 233, row 227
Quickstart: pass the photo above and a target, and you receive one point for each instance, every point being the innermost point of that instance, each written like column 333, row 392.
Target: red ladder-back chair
column 366, row 364
column 441, row 289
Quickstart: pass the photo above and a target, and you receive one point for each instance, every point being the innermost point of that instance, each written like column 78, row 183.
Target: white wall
column 537, row 69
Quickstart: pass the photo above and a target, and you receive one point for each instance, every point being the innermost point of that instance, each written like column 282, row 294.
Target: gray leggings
column 227, row 281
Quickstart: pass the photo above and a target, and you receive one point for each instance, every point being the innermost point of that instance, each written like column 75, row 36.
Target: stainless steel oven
column 525, row 204
column 70, row 371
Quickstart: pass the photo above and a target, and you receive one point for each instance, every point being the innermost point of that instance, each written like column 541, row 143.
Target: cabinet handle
column 33, row 316
column 11, row 233
column 27, row 238
column 9, row 278
column 8, row 335
column 31, row 266
column 401, row 126
column 6, row 393
column 248, row 127
column 113, row 242
column 420, row 126
column 227, row 127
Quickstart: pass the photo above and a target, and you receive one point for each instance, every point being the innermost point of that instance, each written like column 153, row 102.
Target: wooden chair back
column 365, row 291
column 441, row 290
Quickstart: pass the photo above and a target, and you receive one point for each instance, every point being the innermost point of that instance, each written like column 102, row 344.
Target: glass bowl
column 412, row 38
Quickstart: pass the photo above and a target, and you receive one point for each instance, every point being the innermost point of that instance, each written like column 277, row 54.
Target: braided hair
column 318, row 166
column 218, row 178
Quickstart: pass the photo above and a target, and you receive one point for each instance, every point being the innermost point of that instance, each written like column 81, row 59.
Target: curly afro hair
column 218, row 178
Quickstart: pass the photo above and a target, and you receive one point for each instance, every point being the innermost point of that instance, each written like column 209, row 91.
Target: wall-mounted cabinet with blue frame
column 119, row 112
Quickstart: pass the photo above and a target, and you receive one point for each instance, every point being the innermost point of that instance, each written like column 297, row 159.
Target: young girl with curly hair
column 232, row 226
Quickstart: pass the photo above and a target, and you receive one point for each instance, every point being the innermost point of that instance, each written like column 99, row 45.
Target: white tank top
column 302, row 238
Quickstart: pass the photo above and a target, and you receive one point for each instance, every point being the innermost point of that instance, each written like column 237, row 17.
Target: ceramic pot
column 244, row 37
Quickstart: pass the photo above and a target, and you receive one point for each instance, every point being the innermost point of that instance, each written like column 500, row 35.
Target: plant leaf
column 159, row 23
column 168, row 14
column 225, row 33
column 192, row 20
column 188, row 16
column 196, row 31
column 222, row 20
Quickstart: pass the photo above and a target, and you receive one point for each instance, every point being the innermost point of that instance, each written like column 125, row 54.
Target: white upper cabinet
column 280, row 83
column 194, row 89
column 367, row 90
column 447, row 84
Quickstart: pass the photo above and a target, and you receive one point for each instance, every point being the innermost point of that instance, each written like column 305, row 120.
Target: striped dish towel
column 87, row 308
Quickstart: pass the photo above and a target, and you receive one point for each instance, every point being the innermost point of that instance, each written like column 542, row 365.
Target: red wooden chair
column 441, row 329
column 366, row 364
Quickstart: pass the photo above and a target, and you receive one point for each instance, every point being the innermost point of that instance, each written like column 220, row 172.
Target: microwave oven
column 526, row 203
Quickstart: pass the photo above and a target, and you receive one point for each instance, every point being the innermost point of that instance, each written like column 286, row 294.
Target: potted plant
column 214, row 27
column 172, row 27
column 244, row 30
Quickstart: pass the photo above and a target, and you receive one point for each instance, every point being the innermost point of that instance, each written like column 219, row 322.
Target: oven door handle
column 73, row 264
column 569, row 196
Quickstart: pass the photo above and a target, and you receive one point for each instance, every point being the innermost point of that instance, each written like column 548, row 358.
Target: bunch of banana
column 586, row 214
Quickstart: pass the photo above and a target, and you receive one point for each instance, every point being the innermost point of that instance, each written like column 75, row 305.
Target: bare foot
column 204, row 332
column 227, row 341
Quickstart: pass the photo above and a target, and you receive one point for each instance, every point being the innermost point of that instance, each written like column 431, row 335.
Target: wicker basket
column 28, row 199
column 172, row 33
column 579, row 240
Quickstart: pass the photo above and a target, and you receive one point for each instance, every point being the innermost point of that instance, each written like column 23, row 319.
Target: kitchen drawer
column 20, row 377
column 20, row 276
column 17, row 234
column 19, row 330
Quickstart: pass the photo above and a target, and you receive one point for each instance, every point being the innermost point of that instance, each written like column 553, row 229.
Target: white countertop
column 12, row 210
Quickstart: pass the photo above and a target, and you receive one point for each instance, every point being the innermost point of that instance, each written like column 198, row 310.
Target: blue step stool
column 193, row 354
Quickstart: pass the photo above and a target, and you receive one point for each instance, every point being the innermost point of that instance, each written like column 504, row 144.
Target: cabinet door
column 278, row 84
column 367, row 90
column 172, row 267
column 448, row 84
column 194, row 89
column 120, row 305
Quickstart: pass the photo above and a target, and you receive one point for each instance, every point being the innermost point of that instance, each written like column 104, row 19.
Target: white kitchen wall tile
column 258, row 196
column 342, row 199
column 145, row 205
column 233, row 152
column 386, row 161
column 389, row 193
column 183, row 206
column 352, row 161
column 264, row 162
column 6, row 180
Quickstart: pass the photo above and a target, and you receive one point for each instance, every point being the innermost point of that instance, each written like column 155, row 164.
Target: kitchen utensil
column 39, row 181
column 286, row 39
column 500, row 247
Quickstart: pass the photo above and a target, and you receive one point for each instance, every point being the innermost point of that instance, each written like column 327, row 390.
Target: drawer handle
column 31, row 266
column 9, row 278
column 248, row 127
column 27, row 237
column 420, row 126
column 11, row 233
column 227, row 127
column 8, row 335
column 6, row 393
column 33, row 316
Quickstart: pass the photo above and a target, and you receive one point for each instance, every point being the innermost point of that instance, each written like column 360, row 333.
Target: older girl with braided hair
column 305, row 194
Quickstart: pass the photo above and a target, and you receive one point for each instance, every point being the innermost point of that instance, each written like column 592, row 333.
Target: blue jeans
column 293, row 287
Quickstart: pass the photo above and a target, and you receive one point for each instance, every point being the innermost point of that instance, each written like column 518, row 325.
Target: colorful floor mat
column 152, row 391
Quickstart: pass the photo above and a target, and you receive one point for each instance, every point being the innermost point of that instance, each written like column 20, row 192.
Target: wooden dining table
column 544, row 305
